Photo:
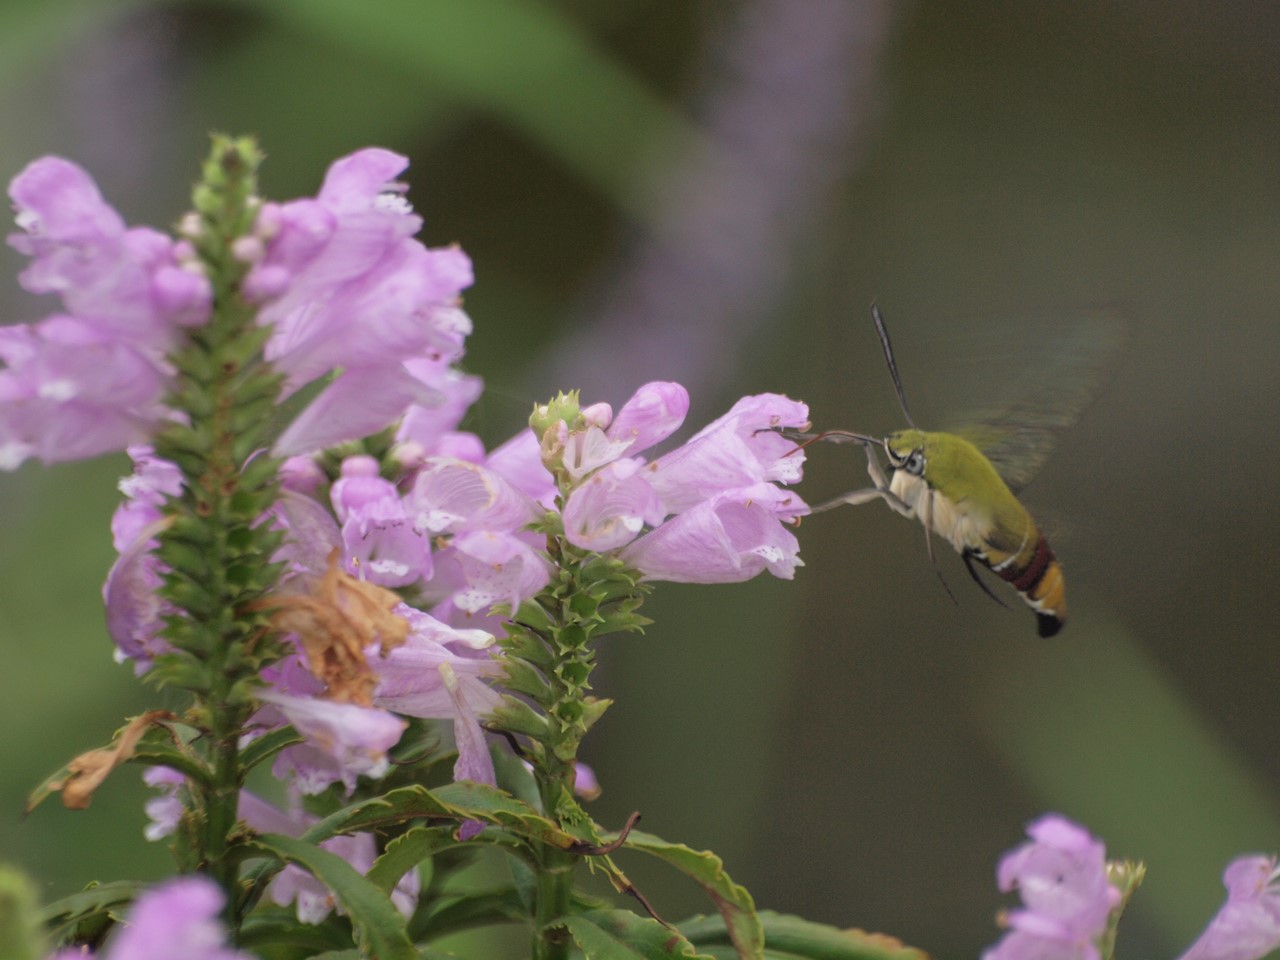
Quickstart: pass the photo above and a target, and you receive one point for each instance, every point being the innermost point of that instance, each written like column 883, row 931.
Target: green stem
column 216, row 551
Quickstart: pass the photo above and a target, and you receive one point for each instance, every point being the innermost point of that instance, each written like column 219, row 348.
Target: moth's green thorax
column 961, row 473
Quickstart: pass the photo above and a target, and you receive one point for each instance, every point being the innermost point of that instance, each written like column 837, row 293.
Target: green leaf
column 456, row 802
column 96, row 900
column 268, row 745
column 794, row 938
column 623, row 935
column 732, row 900
column 380, row 929
column 476, row 908
column 408, row 850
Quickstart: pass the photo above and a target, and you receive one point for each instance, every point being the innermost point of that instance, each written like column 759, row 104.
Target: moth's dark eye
column 914, row 463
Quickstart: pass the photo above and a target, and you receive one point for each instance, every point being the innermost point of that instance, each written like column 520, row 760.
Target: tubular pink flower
column 127, row 283
column 70, row 391
column 1247, row 926
column 653, row 413
column 609, row 509
column 732, row 536
column 737, row 450
column 489, row 567
column 356, row 739
column 176, row 919
column 436, row 674
column 455, row 496
column 347, row 288
column 91, row 379
column 376, row 531
column 1061, row 875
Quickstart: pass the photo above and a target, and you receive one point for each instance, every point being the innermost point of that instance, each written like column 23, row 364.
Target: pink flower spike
column 1247, row 926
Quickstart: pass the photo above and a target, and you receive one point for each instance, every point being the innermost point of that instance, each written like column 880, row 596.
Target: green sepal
column 621, row 617
column 517, row 716
column 523, row 644
column 794, row 938
column 623, row 935
column 379, row 926
column 532, row 615
column 737, row 908
column 523, row 677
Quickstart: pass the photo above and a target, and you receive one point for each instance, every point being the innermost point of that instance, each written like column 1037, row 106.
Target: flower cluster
column 339, row 278
column 713, row 506
column 90, row 378
column 1070, row 899
column 401, row 563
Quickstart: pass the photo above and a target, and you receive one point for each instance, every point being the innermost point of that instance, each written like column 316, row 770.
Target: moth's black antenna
column 893, row 367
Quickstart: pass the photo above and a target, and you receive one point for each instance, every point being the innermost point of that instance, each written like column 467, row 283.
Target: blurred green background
column 714, row 193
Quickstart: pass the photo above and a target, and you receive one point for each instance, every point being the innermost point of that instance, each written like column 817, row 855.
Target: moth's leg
column 880, row 491
column 855, row 498
column 926, row 518
column 969, row 557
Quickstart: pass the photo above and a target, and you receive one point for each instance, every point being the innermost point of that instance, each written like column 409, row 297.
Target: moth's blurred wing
column 1048, row 396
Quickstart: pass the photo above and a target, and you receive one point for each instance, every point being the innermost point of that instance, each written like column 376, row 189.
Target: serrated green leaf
column 379, row 926
column 622, row 935
column 268, row 745
column 794, row 938
column 408, row 850
column 732, row 900
column 97, row 899
column 456, row 802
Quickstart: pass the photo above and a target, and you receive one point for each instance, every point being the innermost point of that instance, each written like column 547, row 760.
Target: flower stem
column 216, row 550
column 550, row 650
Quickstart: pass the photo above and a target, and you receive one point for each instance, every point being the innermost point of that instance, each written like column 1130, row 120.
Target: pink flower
column 70, row 390
column 1062, row 878
column 611, row 506
column 176, row 919
column 711, row 505
column 347, row 288
column 731, row 537
column 92, row 378
column 1248, row 925
column 344, row 740
column 376, row 531
column 441, row 673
